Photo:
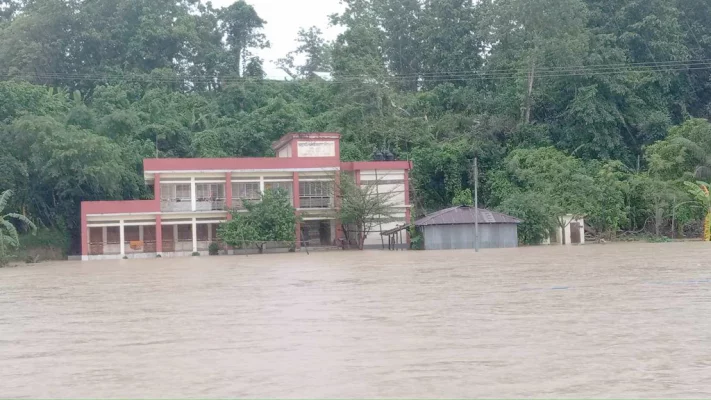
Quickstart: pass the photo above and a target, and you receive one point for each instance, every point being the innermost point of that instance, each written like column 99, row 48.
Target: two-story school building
column 193, row 195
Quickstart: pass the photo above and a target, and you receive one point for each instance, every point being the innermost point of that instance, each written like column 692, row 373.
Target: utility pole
column 476, row 205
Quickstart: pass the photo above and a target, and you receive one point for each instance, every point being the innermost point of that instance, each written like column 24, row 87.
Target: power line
column 444, row 76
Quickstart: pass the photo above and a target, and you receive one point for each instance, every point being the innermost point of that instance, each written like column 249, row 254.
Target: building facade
column 454, row 228
column 192, row 196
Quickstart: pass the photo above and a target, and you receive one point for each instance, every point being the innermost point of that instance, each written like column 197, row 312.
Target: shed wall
column 445, row 237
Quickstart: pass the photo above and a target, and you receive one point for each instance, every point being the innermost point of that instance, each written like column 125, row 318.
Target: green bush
column 214, row 249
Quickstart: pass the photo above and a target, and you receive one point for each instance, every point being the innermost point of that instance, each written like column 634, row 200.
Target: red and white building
column 193, row 195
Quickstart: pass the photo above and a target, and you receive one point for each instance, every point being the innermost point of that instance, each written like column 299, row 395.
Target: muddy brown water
column 630, row 320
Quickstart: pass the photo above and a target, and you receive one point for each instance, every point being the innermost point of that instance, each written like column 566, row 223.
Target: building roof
column 465, row 215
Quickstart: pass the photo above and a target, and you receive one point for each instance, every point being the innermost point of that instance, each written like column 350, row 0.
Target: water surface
column 629, row 320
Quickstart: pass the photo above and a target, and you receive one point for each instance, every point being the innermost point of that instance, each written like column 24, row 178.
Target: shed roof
column 465, row 215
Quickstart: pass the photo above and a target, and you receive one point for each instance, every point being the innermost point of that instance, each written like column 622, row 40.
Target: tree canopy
column 605, row 98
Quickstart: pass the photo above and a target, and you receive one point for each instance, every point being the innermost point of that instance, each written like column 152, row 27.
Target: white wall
column 386, row 177
column 285, row 151
column 397, row 191
column 568, row 219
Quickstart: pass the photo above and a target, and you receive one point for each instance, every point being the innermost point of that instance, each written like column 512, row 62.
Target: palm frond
column 10, row 233
column 4, row 199
column 24, row 220
column 8, row 241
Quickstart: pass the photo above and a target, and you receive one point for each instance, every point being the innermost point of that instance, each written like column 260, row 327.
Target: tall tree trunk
column 531, row 74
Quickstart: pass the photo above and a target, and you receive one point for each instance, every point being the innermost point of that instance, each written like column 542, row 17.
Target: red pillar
column 295, row 193
column 228, row 194
column 294, row 148
column 407, row 203
column 159, row 235
column 84, row 233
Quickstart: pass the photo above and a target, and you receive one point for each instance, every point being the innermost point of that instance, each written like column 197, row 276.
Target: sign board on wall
column 320, row 148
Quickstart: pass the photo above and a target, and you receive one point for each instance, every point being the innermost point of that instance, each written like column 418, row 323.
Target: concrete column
column 298, row 232
column 295, row 191
column 194, row 235
column 175, row 237
column 337, row 228
column 104, row 235
column 156, row 188
column 228, row 192
column 140, row 232
column 193, row 194
column 122, row 239
column 209, row 233
column 261, row 184
column 159, row 235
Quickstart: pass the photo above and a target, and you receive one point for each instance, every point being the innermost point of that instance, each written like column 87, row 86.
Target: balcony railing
column 180, row 205
column 210, row 205
column 315, row 202
column 238, row 204
column 175, row 205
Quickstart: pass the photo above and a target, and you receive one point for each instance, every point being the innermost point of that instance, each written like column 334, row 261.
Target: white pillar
column 209, row 233
column 175, row 238
column 193, row 194
column 140, row 232
column 261, row 184
column 122, row 239
column 104, row 234
column 194, row 235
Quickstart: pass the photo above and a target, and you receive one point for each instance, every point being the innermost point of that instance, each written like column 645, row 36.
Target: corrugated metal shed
column 465, row 215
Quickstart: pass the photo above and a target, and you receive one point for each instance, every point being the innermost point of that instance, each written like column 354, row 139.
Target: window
column 246, row 191
column 286, row 186
column 210, row 191
column 315, row 194
column 175, row 192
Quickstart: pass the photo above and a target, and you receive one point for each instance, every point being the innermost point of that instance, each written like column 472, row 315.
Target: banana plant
column 9, row 237
column 700, row 192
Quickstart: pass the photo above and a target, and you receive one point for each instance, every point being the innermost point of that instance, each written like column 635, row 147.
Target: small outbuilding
column 574, row 232
column 453, row 228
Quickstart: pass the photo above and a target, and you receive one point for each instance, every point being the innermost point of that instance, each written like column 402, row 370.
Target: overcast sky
column 284, row 18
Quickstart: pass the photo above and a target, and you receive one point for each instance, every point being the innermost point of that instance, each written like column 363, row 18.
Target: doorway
column 316, row 232
column 575, row 233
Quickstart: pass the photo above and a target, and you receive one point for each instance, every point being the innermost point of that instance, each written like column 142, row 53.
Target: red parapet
column 120, row 207
column 152, row 165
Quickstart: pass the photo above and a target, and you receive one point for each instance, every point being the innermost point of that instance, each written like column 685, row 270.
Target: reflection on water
column 592, row 321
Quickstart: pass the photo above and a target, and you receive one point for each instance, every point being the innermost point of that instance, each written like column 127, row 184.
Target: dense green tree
column 272, row 219
column 608, row 98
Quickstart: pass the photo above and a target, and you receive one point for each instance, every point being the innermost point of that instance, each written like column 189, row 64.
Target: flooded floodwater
column 622, row 320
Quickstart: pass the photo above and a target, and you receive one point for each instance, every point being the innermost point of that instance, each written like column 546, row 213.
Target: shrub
column 196, row 253
column 214, row 249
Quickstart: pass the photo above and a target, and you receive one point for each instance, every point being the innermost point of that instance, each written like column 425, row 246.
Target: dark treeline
column 597, row 107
